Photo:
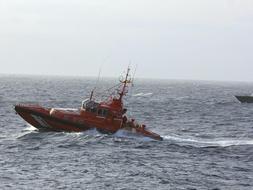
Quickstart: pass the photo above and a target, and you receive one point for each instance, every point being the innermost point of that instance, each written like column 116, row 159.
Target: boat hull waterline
column 44, row 119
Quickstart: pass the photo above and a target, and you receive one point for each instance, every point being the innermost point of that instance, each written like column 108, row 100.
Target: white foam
column 143, row 94
column 148, row 94
column 128, row 134
column 213, row 142
column 29, row 128
column 139, row 94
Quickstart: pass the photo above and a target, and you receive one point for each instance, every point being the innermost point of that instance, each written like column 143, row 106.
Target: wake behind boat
column 106, row 116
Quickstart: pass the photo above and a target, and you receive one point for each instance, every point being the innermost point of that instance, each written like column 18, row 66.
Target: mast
column 92, row 92
column 124, row 82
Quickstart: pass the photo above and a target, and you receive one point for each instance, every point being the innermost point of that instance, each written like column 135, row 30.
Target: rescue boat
column 107, row 116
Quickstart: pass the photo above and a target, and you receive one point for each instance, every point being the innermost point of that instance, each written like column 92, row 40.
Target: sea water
column 208, row 137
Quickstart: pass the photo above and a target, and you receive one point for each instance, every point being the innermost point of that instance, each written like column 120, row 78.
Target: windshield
column 89, row 104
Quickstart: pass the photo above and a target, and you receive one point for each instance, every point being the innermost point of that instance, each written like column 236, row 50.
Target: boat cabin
column 95, row 108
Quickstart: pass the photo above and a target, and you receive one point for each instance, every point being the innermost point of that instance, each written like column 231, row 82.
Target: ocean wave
column 141, row 94
column 29, row 128
column 88, row 133
column 124, row 134
column 208, row 143
column 129, row 135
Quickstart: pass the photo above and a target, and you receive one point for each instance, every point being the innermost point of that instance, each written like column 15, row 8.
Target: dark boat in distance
column 106, row 116
column 245, row 99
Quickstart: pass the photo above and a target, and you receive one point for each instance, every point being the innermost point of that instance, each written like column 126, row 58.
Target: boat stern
column 141, row 130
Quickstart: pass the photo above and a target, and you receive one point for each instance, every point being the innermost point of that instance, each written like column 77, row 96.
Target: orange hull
column 73, row 121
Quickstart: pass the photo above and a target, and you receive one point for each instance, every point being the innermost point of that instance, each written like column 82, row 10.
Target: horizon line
column 113, row 77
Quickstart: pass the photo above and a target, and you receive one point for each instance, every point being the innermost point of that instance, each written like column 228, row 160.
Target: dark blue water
column 208, row 138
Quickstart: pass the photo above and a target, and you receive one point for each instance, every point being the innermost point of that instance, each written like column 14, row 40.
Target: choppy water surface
column 208, row 138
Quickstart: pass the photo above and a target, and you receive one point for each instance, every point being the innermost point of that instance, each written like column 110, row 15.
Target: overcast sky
column 174, row 39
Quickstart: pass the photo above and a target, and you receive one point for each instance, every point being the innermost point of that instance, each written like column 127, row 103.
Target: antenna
column 99, row 73
column 134, row 74
column 130, row 63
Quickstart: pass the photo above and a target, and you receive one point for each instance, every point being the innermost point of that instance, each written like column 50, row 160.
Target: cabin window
column 90, row 106
column 94, row 110
column 105, row 112
column 102, row 112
